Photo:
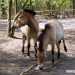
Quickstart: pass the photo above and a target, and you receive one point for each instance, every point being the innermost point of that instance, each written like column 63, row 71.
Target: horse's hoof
column 10, row 35
column 23, row 53
column 65, row 48
column 27, row 57
column 39, row 67
column 53, row 61
column 58, row 57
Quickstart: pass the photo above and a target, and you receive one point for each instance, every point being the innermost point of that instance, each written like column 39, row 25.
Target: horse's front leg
column 35, row 46
column 53, row 53
column 28, row 46
column 24, row 38
column 40, row 59
column 12, row 31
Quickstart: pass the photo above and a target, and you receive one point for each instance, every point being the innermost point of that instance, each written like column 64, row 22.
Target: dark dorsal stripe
column 30, row 11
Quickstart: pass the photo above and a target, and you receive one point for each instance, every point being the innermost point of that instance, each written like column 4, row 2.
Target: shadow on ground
column 11, row 64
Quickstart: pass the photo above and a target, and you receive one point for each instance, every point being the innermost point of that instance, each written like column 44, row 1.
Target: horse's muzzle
column 11, row 33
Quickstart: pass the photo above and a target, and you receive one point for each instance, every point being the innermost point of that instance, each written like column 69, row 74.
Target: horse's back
column 56, row 31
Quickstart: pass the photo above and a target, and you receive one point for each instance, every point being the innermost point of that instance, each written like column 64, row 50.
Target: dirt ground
column 12, row 62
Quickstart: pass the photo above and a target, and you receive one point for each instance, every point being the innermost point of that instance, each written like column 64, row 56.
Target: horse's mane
column 30, row 11
column 26, row 10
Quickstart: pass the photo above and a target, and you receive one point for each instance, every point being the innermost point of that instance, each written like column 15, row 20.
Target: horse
column 53, row 34
column 26, row 17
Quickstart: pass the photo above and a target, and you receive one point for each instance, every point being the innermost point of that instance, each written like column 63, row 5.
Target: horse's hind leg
column 58, row 46
column 24, row 38
column 53, row 53
column 65, row 48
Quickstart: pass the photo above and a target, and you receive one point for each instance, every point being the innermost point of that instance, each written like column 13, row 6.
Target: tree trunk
column 9, row 19
column 31, row 4
column 16, row 6
column 73, row 7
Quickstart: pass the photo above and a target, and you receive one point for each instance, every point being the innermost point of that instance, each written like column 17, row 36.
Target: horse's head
column 22, row 18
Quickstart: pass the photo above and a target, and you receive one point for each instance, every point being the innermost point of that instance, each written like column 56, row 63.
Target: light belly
column 59, row 36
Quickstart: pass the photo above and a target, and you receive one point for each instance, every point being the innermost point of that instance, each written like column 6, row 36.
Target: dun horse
column 26, row 18
column 52, row 34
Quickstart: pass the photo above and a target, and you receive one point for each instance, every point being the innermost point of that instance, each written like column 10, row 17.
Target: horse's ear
column 31, row 11
column 18, row 13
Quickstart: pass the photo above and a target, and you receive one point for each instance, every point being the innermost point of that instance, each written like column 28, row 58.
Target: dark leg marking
column 28, row 47
column 35, row 50
column 65, row 48
column 58, row 46
column 53, row 54
column 24, row 38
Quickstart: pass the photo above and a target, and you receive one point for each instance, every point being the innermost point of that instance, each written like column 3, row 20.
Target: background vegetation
column 38, row 5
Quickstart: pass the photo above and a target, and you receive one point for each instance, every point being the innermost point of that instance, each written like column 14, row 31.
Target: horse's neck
column 35, row 25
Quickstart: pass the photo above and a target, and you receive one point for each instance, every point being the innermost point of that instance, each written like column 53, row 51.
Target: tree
column 3, row 9
column 9, row 19
column 73, row 7
column 16, row 6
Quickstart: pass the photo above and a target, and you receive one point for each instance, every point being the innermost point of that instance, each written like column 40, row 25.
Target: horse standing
column 26, row 18
column 52, row 34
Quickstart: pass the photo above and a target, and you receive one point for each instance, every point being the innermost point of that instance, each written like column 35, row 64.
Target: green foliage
column 58, row 4
column 36, row 5
column 21, row 4
column 3, row 7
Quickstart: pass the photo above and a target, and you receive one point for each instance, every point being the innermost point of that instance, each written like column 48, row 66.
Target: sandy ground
column 12, row 62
